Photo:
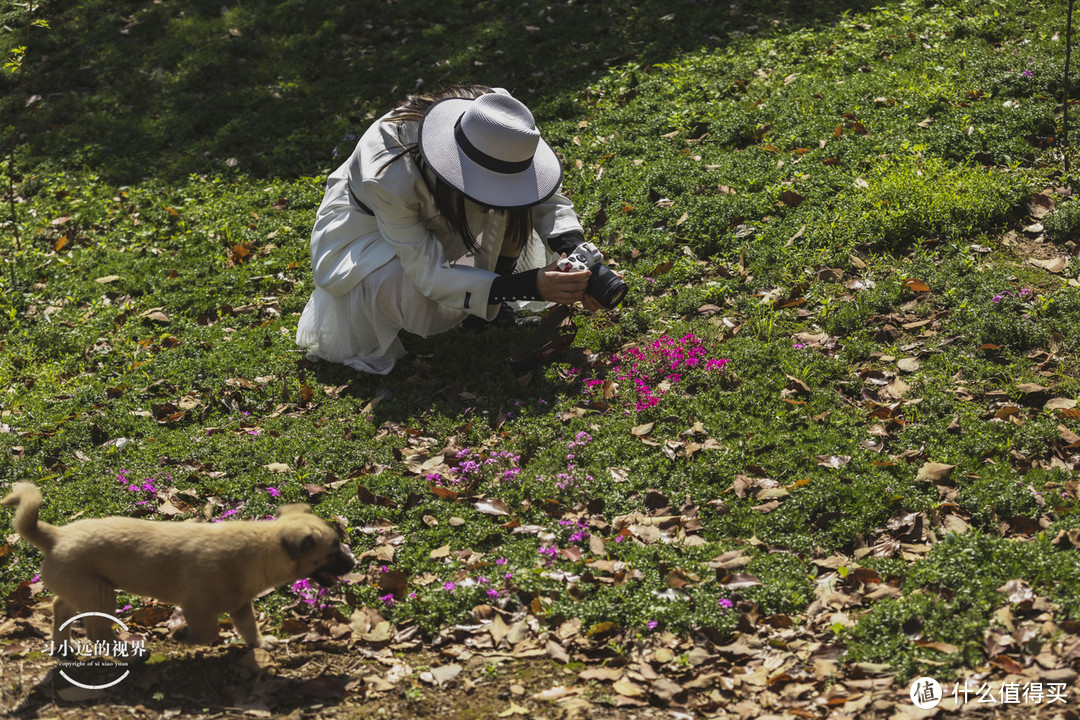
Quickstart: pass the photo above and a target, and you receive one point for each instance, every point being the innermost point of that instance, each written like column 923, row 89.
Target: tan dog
column 206, row 568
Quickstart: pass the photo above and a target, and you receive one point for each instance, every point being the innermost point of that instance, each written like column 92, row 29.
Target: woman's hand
column 557, row 286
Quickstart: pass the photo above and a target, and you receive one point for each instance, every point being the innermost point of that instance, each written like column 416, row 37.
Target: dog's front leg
column 244, row 620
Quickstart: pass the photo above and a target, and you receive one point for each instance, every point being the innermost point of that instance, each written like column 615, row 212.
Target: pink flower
column 388, row 599
column 449, row 587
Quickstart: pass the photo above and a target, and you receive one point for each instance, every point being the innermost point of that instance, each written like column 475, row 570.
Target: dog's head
column 313, row 545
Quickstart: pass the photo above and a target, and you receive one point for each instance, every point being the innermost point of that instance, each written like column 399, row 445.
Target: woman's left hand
column 558, row 286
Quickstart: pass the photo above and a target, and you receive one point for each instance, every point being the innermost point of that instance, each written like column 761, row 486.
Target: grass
column 816, row 194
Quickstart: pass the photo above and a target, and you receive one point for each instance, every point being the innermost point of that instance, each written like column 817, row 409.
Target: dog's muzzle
column 340, row 563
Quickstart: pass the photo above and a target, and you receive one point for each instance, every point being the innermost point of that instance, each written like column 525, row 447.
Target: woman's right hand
column 557, row 286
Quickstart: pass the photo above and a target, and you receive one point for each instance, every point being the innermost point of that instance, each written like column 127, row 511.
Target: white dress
column 401, row 267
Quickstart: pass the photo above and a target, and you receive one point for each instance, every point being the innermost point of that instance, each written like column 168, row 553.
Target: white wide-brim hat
column 489, row 150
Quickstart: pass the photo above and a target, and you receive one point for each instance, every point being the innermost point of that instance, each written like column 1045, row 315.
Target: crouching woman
column 448, row 207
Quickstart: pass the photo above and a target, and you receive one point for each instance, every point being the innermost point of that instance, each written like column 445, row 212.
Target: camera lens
column 607, row 287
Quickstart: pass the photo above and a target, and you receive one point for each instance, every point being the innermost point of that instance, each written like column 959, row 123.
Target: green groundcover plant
column 847, row 364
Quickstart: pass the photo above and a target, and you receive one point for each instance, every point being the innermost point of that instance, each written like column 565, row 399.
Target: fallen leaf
column 791, row 198
column 1069, row 436
column 442, row 675
column 908, row 365
column 627, row 688
column 740, row 580
column 934, row 472
column 514, row 709
column 556, row 693
column 832, row 461
column 601, row 674
column 939, row 646
column 1054, row 265
column 1017, row 591
column 492, row 506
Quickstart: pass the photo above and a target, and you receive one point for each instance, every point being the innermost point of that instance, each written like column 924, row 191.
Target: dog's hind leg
column 62, row 612
column 75, row 594
column 200, row 628
column 244, row 620
column 98, row 596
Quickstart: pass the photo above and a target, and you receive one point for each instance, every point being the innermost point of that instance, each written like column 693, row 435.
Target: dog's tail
column 28, row 498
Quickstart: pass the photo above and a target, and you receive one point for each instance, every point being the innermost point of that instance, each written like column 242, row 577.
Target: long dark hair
column 450, row 202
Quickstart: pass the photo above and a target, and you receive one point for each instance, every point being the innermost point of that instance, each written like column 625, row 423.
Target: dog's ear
column 297, row 541
column 294, row 508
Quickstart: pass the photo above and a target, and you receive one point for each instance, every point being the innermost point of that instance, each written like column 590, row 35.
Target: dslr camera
column 604, row 285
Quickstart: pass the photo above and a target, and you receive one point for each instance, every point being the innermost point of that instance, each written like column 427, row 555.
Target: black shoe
column 506, row 318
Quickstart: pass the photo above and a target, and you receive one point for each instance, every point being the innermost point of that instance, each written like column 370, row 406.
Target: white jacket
column 347, row 243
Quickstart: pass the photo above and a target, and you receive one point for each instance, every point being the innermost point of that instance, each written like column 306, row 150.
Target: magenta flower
column 449, row 587
column 388, row 599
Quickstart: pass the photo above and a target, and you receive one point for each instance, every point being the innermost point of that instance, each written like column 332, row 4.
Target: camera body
column 604, row 285
column 584, row 257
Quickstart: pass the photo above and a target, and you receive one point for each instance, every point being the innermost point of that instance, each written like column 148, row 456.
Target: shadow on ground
column 163, row 88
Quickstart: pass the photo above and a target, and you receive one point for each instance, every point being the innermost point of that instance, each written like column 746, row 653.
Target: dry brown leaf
column 1069, row 436
column 832, row 461
column 557, row 692
column 908, row 365
column 601, row 674
column 740, row 580
column 492, row 506
column 627, row 688
column 936, row 473
column 939, row 646
column 1054, row 265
